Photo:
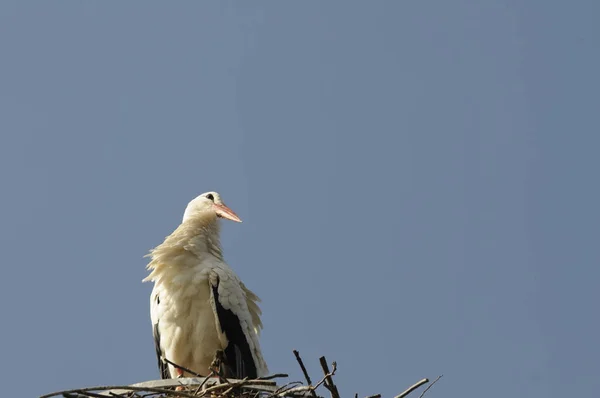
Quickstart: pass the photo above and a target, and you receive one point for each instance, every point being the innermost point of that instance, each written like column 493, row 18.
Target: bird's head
column 209, row 204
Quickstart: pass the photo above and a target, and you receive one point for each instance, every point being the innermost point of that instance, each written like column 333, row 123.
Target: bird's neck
column 192, row 243
column 203, row 236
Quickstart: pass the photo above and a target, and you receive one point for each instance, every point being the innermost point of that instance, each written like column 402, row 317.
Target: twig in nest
column 275, row 376
column 412, row 388
column 329, row 385
column 429, row 386
column 294, row 390
column 112, row 394
column 231, row 385
column 286, row 387
column 94, row 395
column 182, row 368
column 234, row 386
column 132, row 388
column 306, row 376
column 212, row 373
column 215, row 367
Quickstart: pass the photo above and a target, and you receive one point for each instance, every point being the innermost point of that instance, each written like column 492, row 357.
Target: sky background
column 418, row 182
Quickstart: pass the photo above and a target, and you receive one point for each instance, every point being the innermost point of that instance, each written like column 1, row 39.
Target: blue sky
column 418, row 183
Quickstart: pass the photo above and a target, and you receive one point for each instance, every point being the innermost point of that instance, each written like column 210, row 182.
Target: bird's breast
column 187, row 325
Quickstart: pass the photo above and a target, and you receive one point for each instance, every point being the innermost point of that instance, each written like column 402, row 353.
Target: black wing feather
column 163, row 367
column 238, row 356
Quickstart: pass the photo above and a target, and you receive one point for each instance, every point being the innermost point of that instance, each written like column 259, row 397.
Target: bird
column 199, row 306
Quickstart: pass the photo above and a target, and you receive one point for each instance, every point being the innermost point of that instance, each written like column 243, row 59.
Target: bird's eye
column 210, row 196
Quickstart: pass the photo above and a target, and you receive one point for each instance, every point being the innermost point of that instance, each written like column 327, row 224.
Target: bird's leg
column 179, row 376
column 217, row 367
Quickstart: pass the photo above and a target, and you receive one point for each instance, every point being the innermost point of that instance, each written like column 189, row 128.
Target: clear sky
column 418, row 182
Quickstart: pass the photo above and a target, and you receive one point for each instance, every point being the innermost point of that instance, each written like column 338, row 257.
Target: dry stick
column 374, row 396
column 306, row 376
column 77, row 395
column 412, row 388
column 94, row 395
column 275, row 376
column 429, row 386
column 132, row 388
column 182, row 368
column 312, row 388
column 112, row 394
column 292, row 392
column 285, row 388
column 212, row 373
column 232, row 387
column 220, row 386
column 258, row 382
column 330, row 385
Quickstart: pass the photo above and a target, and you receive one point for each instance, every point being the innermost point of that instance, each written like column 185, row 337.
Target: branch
column 306, row 376
column 412, row 388
column 275, row 376
column 330, row 385
column 294, row 390
column 327, row 376
column 112, row 394
column 212, row 373
column 182, row 368
column 230, row 385
column 286, row 388
column 234, row 386
column 429, row 386
column 132, row 388
column 94, row 395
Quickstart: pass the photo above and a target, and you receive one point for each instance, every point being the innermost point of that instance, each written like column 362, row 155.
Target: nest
column 217, row 386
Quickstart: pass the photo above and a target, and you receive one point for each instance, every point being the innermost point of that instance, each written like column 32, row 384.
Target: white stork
column 198, row 304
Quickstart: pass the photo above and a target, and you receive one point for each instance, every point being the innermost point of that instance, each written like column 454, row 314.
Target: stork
column 198, row 304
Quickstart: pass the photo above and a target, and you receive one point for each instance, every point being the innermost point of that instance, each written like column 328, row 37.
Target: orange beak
column 225, row 212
